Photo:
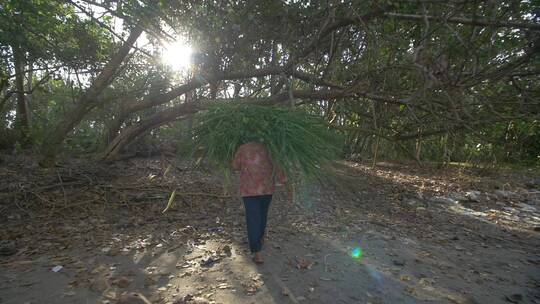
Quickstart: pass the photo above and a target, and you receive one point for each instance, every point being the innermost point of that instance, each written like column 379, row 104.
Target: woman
column 257, row 184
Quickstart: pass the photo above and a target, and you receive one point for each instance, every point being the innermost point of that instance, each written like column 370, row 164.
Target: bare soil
column 87, row 233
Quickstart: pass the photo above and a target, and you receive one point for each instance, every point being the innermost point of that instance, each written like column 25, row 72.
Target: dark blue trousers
column 256, row 215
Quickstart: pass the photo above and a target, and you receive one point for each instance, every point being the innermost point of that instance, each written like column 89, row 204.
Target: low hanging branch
column 330, row 28
column 116, row 146
column 462, row 20
column 197, row 82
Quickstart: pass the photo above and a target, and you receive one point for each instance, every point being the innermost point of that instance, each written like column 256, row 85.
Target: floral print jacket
column 257, row 171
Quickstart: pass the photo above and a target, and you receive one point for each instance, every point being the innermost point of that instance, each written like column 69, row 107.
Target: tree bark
column 23, row 115
column 29, row 92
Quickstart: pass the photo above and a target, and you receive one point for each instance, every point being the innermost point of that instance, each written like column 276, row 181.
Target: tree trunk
column 87, row 102
column 114, row 149
column 114, row 128
column 375, row 125
column 23, row 115
column 186, row 134
column 5, row 95
column 29, row 90
column 418, row 146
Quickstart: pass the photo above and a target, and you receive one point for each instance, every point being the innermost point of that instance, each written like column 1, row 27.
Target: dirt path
column 393, row 239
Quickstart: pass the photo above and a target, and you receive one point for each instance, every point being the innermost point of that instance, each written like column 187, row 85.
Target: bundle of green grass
column 300, row 143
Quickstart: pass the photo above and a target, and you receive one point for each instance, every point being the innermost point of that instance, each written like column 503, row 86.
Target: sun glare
column 177, row 55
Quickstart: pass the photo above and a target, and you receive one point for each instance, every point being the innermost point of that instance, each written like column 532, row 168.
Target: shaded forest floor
column 86, row 233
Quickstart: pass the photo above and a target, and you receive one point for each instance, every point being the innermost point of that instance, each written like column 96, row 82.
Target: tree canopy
column 423, row 79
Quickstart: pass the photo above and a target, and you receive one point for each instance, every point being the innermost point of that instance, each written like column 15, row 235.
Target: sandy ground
column 393, row 234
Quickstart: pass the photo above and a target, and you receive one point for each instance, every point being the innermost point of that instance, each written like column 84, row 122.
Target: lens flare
column 375, row 275
column 356, row 253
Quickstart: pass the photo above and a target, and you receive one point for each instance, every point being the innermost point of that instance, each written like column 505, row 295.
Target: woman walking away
column 257, row 183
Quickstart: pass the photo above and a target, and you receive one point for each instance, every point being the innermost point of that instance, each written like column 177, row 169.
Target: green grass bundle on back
column 299, row 142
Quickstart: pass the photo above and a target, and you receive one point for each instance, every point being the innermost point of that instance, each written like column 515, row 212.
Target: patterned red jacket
column 257, row 171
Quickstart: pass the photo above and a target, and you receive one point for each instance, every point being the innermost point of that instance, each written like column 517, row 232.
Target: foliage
column 50, row 30
column 427, row 88
column 298, row 142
